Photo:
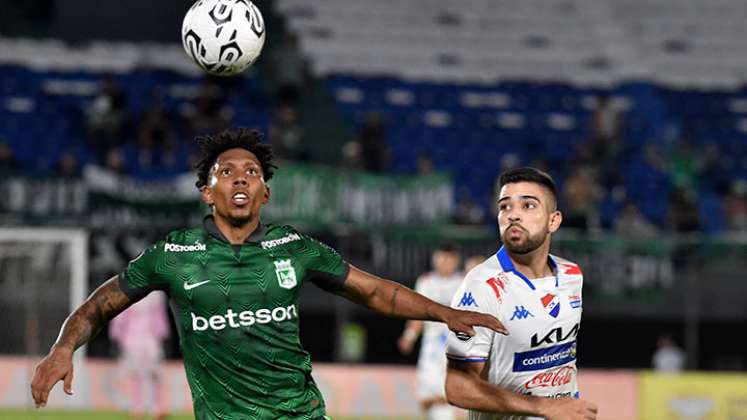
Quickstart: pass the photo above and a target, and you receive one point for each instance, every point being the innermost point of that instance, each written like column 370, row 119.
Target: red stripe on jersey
column 571, row 269
column 494, row 284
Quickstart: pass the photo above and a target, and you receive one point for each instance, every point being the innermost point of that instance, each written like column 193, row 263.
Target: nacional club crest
column 551, row 303
column 286, row 274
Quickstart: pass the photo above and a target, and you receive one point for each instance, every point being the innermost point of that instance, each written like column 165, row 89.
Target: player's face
column 526, row 216
column 236, row 187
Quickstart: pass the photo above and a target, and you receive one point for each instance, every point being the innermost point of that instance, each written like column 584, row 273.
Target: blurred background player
column 139, row 332
column 532, row 371
column 668, row 357
column 472, row 262
column 440, row 286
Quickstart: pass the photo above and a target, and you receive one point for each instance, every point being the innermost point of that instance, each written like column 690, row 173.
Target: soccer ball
column 223, row 37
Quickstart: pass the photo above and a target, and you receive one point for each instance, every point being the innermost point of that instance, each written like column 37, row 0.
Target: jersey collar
column 508, row 266
column 257, row 236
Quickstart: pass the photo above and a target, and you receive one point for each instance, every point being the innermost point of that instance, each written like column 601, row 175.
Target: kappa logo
column 467, row 300
column 286, row 274
column 197, row 246
column 520, row 312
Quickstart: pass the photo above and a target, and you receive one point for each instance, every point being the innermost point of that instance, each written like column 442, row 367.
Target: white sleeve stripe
column 466, row 358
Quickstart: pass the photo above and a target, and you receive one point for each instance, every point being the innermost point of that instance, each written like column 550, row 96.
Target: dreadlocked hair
column 211, row 146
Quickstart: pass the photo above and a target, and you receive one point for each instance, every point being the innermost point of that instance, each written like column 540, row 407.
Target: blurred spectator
column 668, row 358
column 581, row 199
column 157, row 142
column 139, row 332
column 351, row 156
column 683, row 214
column 510, row 161
column 684, row 165
column 714, row 173
column 631, row 223
column 606, row 136
column 289, row 69
column 67, row 166
column 107, row 117
column 735, row 206
column 8, row 164
column 467, row 212
column 115, row 161
column 209, row 114
column 606, row 127
column 374, row 147
column 286, row 134
column 424, row 164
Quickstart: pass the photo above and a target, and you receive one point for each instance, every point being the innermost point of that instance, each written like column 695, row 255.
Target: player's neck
column 236, row 235
column 533, row 264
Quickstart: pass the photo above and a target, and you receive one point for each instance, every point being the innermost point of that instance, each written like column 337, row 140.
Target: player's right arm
column 104, row 304
column 466, row 388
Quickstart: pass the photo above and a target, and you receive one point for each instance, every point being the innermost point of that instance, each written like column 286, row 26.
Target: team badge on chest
column 286, row 274
column 551, row 303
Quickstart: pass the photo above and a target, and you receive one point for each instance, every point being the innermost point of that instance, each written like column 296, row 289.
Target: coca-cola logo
column 555, row 377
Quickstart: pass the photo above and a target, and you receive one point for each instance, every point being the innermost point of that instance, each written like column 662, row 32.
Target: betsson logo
column 169, row 247
column 245, row 318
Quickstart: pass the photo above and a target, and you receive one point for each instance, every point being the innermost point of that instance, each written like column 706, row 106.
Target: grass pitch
column 45, row 414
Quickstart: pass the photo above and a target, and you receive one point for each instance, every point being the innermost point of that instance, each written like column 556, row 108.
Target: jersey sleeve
column 474, row 295
column 142, row 274
column 421, row 285
column 325, row 267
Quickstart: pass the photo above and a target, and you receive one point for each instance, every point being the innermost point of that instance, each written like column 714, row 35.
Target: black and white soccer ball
column 224, row 37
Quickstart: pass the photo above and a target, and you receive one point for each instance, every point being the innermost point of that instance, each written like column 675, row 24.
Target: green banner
column 323, row 195
column 307, row 194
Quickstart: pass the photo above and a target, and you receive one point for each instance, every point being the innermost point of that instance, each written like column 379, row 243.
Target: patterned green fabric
column 237, row 315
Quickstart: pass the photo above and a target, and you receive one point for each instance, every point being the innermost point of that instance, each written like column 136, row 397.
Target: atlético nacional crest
column 286, row 274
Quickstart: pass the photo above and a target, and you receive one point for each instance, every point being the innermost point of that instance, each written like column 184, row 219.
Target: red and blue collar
column 508, row 266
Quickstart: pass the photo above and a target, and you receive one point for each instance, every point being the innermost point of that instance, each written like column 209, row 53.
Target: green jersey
column 237, row 314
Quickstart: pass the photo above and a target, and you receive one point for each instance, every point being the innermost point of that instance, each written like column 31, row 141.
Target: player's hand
column 569, row 409
column 58, row 365
column 464, row 321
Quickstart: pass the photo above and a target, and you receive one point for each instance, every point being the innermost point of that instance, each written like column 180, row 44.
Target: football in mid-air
column 223, row 37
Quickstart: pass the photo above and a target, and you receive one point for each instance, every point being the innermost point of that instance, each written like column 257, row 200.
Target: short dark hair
column 211, row 146
column 529, row 174
column 448, row 247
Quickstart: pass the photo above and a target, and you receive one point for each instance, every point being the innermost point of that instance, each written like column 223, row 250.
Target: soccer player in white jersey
column 438, row 285
column 531, row 372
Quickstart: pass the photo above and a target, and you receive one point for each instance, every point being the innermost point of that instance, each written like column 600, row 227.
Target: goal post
column 43, row 277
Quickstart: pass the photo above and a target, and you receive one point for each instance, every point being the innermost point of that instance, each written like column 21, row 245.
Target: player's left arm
column 395, row 300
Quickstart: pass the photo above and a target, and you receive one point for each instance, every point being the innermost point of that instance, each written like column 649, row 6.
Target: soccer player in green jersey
column 234, row 285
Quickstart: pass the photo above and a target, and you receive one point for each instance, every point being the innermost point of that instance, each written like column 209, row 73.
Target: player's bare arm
column 413, row 329
column 104, row 304
column 465, row 388
column 393, row 299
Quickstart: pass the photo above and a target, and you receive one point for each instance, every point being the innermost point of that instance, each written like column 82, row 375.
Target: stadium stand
column 532, row 81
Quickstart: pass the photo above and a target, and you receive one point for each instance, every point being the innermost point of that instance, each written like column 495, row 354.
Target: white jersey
column 543, row 318
column 431, row 372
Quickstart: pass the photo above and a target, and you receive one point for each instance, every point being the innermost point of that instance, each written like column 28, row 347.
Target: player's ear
column 207, row 195
column 266, row 194
column 556, row 218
